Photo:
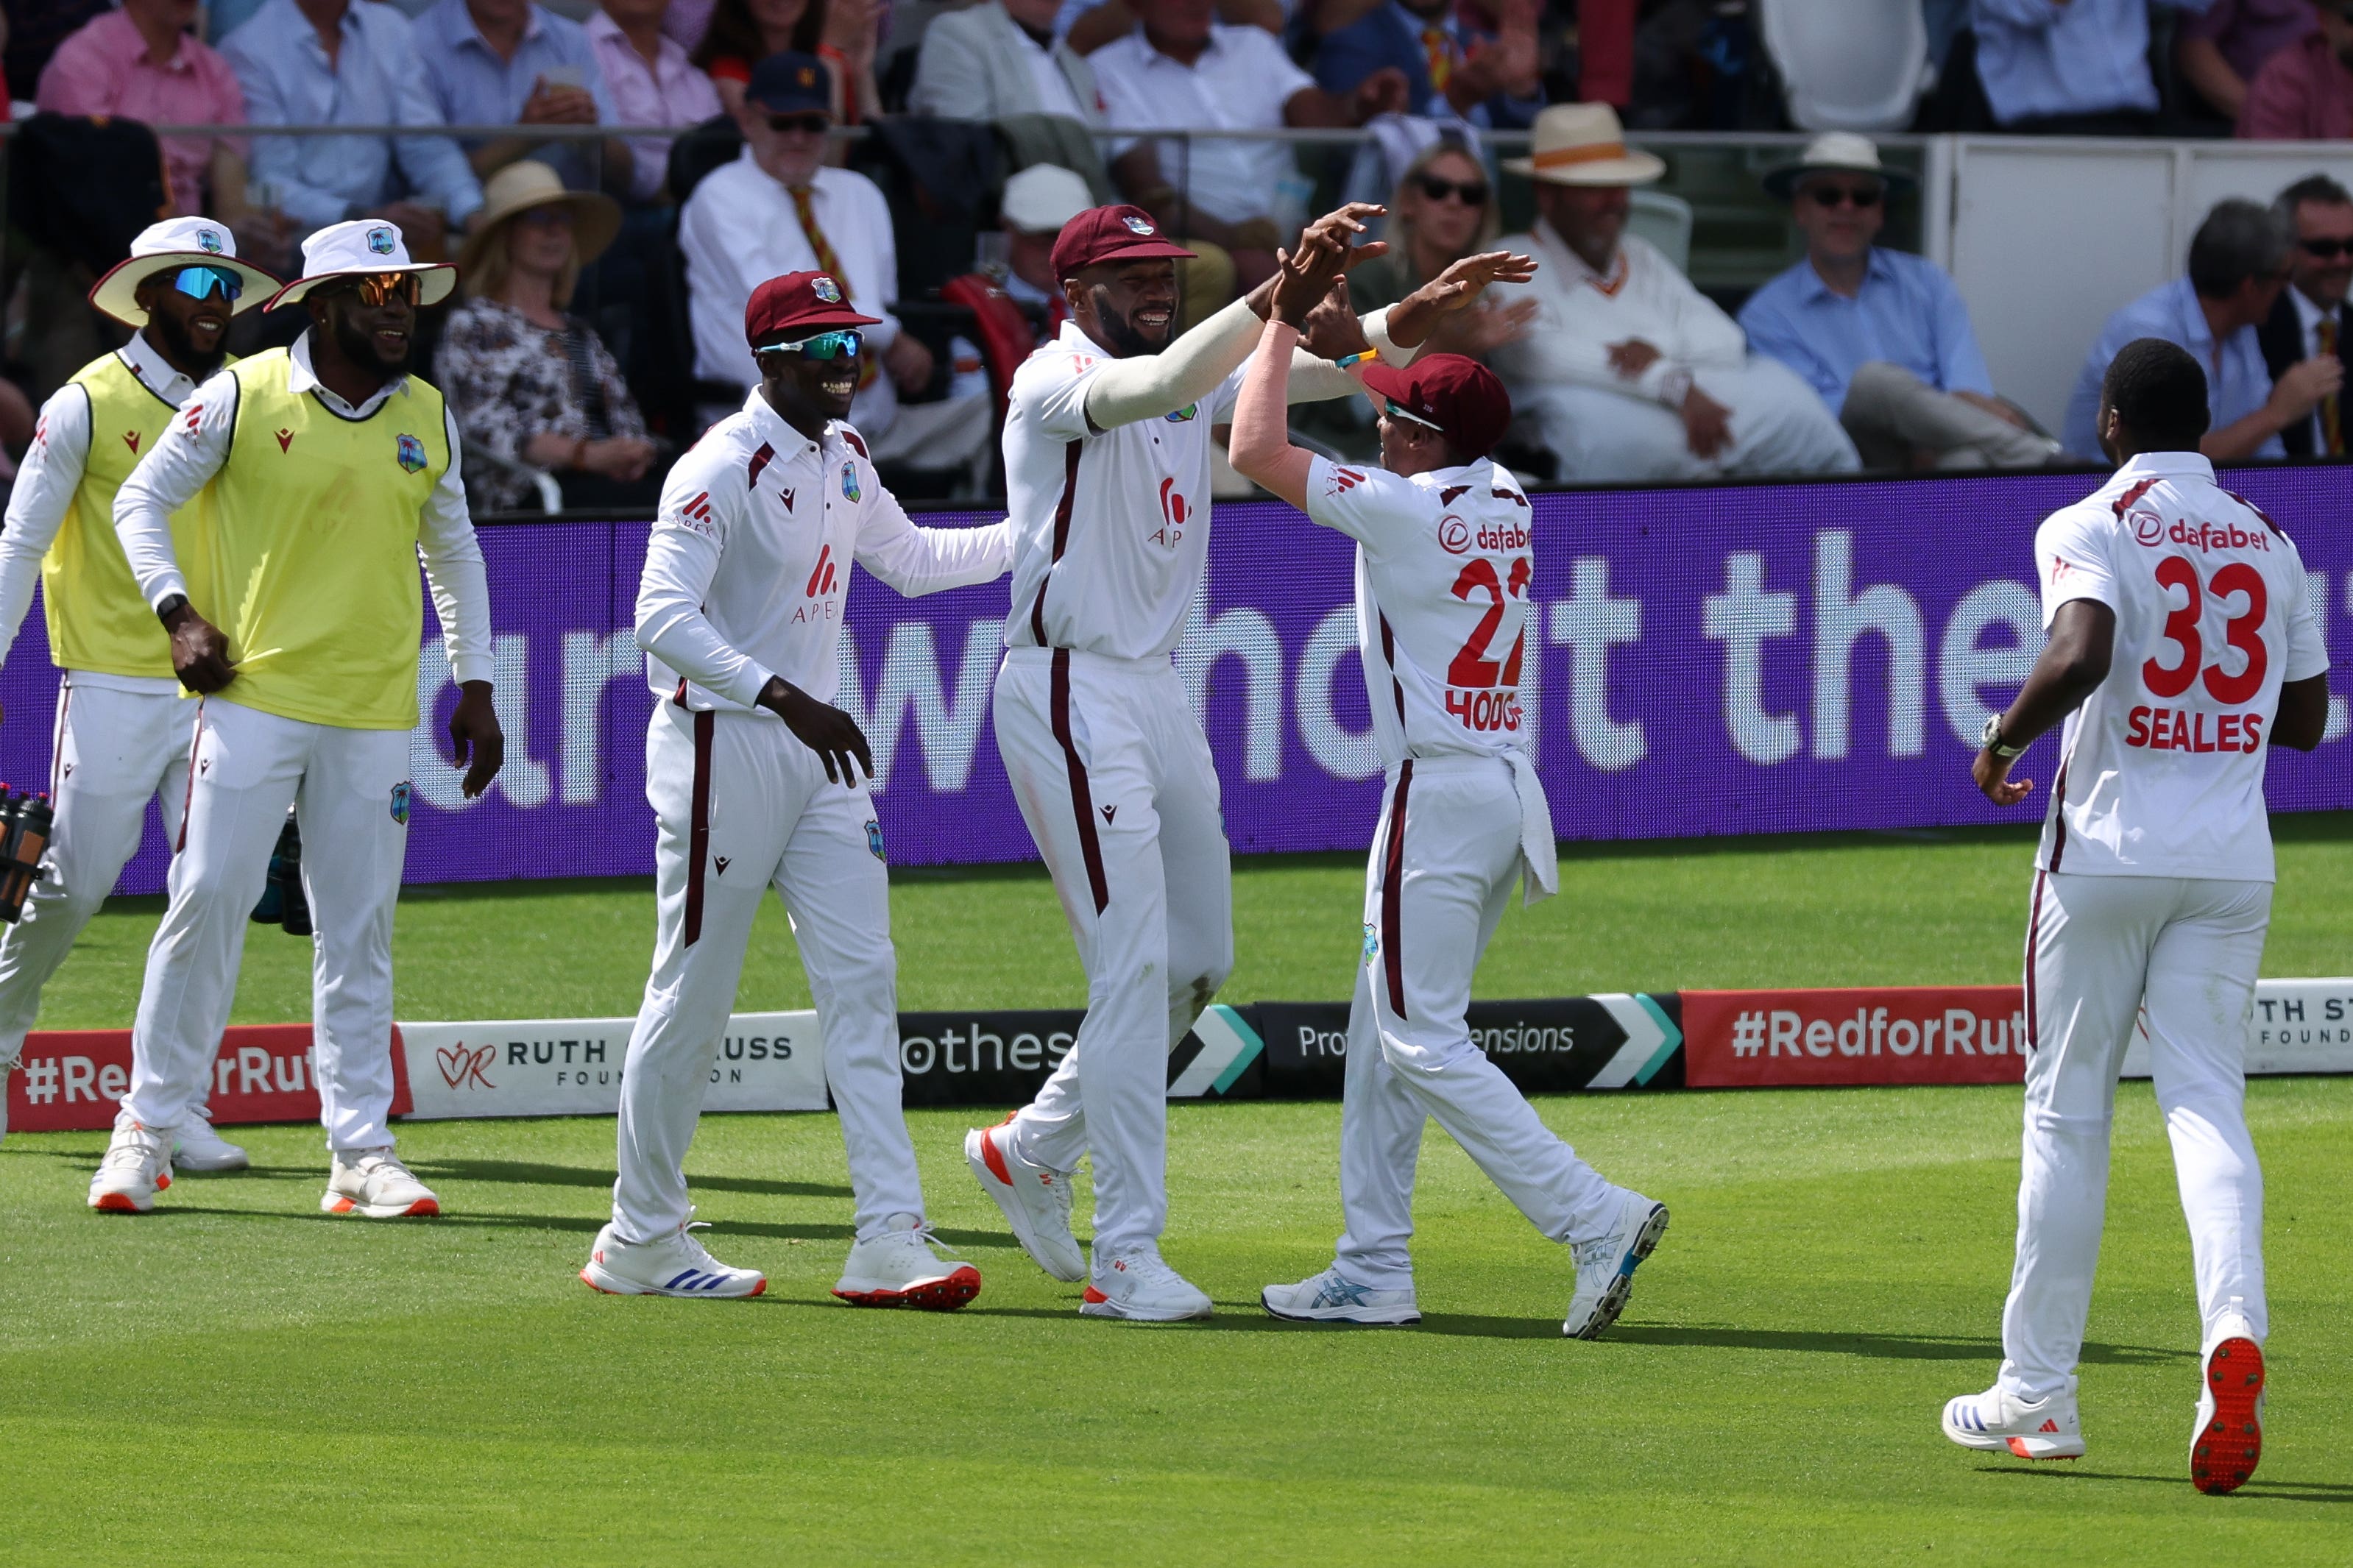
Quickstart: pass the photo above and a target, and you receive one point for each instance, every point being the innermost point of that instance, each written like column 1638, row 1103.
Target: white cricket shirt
column 747, row 568
column 1110, row 529
column 2161, row 770
column 1444, row 567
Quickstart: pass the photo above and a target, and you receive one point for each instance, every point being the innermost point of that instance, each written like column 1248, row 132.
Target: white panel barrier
column 2296, row 1026
column 572, row 1067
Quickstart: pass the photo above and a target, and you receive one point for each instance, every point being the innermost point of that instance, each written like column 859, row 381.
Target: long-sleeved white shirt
column 193, row 450
column 747, row 570
column 45, row 484
column 1581, row 312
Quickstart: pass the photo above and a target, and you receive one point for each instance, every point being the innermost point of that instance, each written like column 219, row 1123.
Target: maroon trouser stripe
column 1062, row 540
column 188, row 800
column 698, row 824
column 1393, row 893
column 1081, row 798
column 2034, row 955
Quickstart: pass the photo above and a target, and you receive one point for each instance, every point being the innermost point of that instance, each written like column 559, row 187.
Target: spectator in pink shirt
column 142, row 63
column 651, row 83
column 2305, row 92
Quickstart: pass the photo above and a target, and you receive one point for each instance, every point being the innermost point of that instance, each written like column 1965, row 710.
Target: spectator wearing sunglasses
column 2310, row 322
column 1627, row 373
column 2239, row 262
column 2305, row 92
column 781, row 208
column 1882, row 335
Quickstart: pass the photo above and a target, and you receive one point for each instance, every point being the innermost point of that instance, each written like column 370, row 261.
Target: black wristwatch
column 171, row 602
column 1993, row 741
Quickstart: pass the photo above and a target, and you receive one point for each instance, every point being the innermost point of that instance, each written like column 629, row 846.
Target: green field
column 238, row 1378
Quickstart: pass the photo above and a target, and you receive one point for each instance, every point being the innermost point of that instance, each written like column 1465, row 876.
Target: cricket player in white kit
column 1107, row 474
column 1444, row 563
column 320, row 474
column 122, row 728
column 2181, row 646
column 755, row 781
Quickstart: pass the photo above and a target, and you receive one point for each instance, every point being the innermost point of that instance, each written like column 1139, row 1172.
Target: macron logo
column 821, row 576
column 285, row 439
column 130, row 438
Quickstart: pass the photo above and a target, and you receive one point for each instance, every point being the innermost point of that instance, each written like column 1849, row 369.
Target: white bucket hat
column 1833, row 153
column 362, row 247
column 1042, row 197
column 1583, row 144
column 181, row 241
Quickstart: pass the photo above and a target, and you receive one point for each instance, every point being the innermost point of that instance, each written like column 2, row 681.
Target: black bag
column 85, row 187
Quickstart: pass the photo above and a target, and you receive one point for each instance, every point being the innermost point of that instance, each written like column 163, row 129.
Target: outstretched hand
column 1305, row 277
column 1413, row 318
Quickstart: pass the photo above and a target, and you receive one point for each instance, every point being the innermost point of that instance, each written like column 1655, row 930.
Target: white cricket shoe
column 1606, row 1265
column 673, row 1265
column 1036, row 1199
column 904, row 1267
column 2045, row 1429
column 138, row 1165
column 1142, row 1288
column 5, row 1068
column 2227, row 1441
column 377, row 1184
column 1332, row 1297
column 196, row 1147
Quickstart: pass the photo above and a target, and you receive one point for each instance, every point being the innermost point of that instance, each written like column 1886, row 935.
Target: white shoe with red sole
column 2227, row 1441
column 138, row 1165
column 904, row 1267
column 2045, row 1429
column 1034, row 1199
column 376, row 1185
column 1143, row 1289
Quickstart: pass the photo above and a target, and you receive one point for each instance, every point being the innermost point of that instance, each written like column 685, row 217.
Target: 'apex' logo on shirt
column 821, row 575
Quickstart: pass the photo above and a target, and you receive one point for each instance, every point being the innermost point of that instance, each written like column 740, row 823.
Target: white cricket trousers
column 114, row 751
column 740, row 806
column 2181, row 953
column 1444, row 860
column 350, row 793
column 1115, row 779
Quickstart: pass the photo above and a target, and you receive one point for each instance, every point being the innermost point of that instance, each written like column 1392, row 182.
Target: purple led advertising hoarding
column 1739, row 659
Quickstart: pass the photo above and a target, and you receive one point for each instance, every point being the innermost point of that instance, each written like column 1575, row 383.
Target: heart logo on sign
column 460, row 1067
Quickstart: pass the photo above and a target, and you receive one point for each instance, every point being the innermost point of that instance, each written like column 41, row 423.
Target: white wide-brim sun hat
column 1584, row 144
column 362, row 247
column 177, row 242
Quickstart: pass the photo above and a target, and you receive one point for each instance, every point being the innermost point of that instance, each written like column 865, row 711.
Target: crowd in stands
column 598, row 328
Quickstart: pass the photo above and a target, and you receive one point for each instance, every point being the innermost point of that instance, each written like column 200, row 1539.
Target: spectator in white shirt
column 780, row 208
column 1001, row 58
column 1628, row 371
column 1182, row 68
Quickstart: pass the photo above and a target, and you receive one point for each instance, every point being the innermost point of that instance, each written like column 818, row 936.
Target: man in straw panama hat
column 318, row 475
column 1881, row 334
column 1628, row 372
column 121, row 731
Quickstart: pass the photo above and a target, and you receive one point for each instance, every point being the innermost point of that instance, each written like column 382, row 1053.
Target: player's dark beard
column 361, row 348
column 173, row 335
column 1125, row 341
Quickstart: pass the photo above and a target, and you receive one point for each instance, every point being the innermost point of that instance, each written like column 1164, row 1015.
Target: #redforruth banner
column 1741, row 659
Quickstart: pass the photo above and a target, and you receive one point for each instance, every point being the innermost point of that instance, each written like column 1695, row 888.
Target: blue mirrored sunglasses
column 825, row 345
column 198, row 282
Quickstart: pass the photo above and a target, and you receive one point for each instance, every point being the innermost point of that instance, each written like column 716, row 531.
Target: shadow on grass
column 585, row 1225
column 2283, row 1491
column 1886, row 1347
column 528, row 1173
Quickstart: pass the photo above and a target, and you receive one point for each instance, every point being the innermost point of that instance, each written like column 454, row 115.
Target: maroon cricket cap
column 800, row 302
column 1460, row 395
column 1111, row 233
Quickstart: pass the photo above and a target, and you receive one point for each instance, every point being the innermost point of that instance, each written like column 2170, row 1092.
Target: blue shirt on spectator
column 1907, row 314
column 474, row 86
column 2237, row 384
column 2037, row 59
column 376, row 79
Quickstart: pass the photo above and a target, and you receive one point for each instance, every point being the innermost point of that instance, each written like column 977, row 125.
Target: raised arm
column 918, row 561
column 1260, row 448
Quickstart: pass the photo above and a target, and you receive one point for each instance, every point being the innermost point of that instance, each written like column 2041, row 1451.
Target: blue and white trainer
column 1332, row 1297
column 1606, row 1265
column 2044, row 1428
column 673, row 1265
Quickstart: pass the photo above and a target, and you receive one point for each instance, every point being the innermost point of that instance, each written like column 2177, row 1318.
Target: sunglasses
column 1831, row 195
column 1397, row 411
column 2323, row 250
column 203, row 282
column 824, row 346
column 802, row 124
column 376, row 289
column 1472, row 191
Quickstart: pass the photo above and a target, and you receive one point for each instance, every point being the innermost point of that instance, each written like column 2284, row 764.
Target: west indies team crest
column 400, row 802
column 826, row 288
column 381, row 240
column 849, row 490
column 209, row 241
column 411, row 454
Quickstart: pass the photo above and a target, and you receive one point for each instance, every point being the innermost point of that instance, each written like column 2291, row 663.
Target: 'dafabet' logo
column 1453, row 534
column 2147, row 527
column 462, row 1067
